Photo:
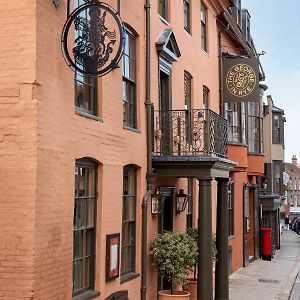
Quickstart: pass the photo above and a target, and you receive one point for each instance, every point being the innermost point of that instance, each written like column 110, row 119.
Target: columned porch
column 205, row 169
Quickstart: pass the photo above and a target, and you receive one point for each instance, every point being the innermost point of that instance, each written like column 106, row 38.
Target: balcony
column 188, row 139
column 190, row 133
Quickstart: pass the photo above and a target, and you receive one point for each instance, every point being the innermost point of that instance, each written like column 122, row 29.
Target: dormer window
column 236, row 11
column 246, row 25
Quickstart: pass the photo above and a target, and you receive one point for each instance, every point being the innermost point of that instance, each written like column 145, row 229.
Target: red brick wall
column 18, row 148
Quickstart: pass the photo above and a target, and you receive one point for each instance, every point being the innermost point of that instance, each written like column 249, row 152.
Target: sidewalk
column 268, row 280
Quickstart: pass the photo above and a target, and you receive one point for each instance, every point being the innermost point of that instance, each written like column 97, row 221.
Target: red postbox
column 266, row 243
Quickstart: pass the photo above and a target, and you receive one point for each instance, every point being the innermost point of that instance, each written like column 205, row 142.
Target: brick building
column 80, row 158
column 272, row 195
column 293, row 186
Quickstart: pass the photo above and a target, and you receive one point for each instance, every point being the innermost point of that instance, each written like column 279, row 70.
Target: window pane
column 90, row 212
column 78, row 241
column 79, row 213
column 125, row 234
column 87, row 263
column 125, row 261
column 77, row 275
column 91, row 182
column 162, row 8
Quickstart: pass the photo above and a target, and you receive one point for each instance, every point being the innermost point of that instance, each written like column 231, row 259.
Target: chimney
column 294, row 160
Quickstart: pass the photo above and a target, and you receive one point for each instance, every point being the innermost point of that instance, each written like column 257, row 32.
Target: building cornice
column 239, row 37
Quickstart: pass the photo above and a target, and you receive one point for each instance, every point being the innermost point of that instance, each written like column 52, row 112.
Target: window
column 129, row 81
column 189, row 213
column 203, row 27
column 235, row 114
column 84, row 226
column 277, row 128
column 86, row 87
column 163, row 8
column 230, row 209
column 278, row 174
column 205, row 97
column 236, row 11
column 246, row 208
column 188, row 105
column 255, row 130
column 128, row 221
column 187, row 17
column 266, row 179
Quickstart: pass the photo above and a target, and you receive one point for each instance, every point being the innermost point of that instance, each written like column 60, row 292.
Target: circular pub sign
column 241, row 80
column 93, row 39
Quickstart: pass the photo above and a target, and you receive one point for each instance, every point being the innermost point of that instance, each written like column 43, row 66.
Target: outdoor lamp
column 181, row 201
column 157, row 202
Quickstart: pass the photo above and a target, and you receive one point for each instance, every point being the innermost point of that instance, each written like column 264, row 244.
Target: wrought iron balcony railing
column 190, row 133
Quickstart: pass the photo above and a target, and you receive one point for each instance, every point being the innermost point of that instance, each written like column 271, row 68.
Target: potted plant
column 174, row 255
column 191, row 286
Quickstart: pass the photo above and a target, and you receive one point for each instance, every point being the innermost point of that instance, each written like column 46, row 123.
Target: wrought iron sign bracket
column 56, row 3
column 97, row 45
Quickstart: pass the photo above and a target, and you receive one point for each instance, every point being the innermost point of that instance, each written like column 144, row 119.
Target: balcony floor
column 199, row 166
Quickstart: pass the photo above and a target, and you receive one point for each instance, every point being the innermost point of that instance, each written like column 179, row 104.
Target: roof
column 277, row 110
column 289, row 167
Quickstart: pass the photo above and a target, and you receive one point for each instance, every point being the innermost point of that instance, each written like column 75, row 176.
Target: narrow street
column 264, row 280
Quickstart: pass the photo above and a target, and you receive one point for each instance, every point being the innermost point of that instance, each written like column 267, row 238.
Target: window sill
column 82, row 113
column 87, row 295
column 204, row 51
column 164, row 20
column 188, row 32
column 256, row 154
column 237, row 144
column 131, row 129
column 128, row 277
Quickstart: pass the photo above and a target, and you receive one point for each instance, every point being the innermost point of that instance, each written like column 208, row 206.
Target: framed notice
column 112, row 256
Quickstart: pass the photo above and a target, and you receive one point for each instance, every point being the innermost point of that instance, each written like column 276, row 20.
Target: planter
column 177, row 295
column 191, row 287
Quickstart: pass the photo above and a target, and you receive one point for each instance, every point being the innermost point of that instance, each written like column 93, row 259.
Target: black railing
column 190, row 133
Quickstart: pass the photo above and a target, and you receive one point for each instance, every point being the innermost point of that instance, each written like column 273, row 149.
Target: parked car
column 296, row 225
column 294, row 222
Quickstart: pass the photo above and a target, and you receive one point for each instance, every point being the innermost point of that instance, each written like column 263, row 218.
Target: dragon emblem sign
column 241, row 79
column 93, row 39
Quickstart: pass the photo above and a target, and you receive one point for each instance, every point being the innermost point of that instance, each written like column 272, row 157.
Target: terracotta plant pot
column 177, row 295
column 192, row 289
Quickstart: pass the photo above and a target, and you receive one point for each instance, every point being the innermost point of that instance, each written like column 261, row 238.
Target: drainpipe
column 149, row 176
column 221, row 74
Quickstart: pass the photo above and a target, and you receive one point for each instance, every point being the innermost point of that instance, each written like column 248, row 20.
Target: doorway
column 165, row 223
column 165, row 106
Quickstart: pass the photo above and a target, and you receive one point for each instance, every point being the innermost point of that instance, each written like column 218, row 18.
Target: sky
column 275, row 29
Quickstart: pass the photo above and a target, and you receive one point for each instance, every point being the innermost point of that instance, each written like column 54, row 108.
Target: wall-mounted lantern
column 181, row 201
column 157, row 202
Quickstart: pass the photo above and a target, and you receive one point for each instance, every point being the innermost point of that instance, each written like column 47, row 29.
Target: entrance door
column 246, row 226
column 165, row 110
column 256, row 223
column 165, row 223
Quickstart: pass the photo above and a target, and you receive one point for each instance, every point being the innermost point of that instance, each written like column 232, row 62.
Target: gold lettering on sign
column 241, row 80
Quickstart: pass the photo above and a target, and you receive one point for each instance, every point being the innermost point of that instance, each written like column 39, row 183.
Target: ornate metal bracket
column 93, row 39
column 56, row 3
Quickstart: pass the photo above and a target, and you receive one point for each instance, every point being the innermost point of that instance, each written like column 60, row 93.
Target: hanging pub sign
column 241, row 79
column 93, row 39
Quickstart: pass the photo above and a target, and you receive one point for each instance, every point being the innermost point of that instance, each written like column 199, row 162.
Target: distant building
column 272, row 196
column 293, row 186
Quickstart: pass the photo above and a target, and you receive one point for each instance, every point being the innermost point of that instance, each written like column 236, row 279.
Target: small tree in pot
column 174, row 255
